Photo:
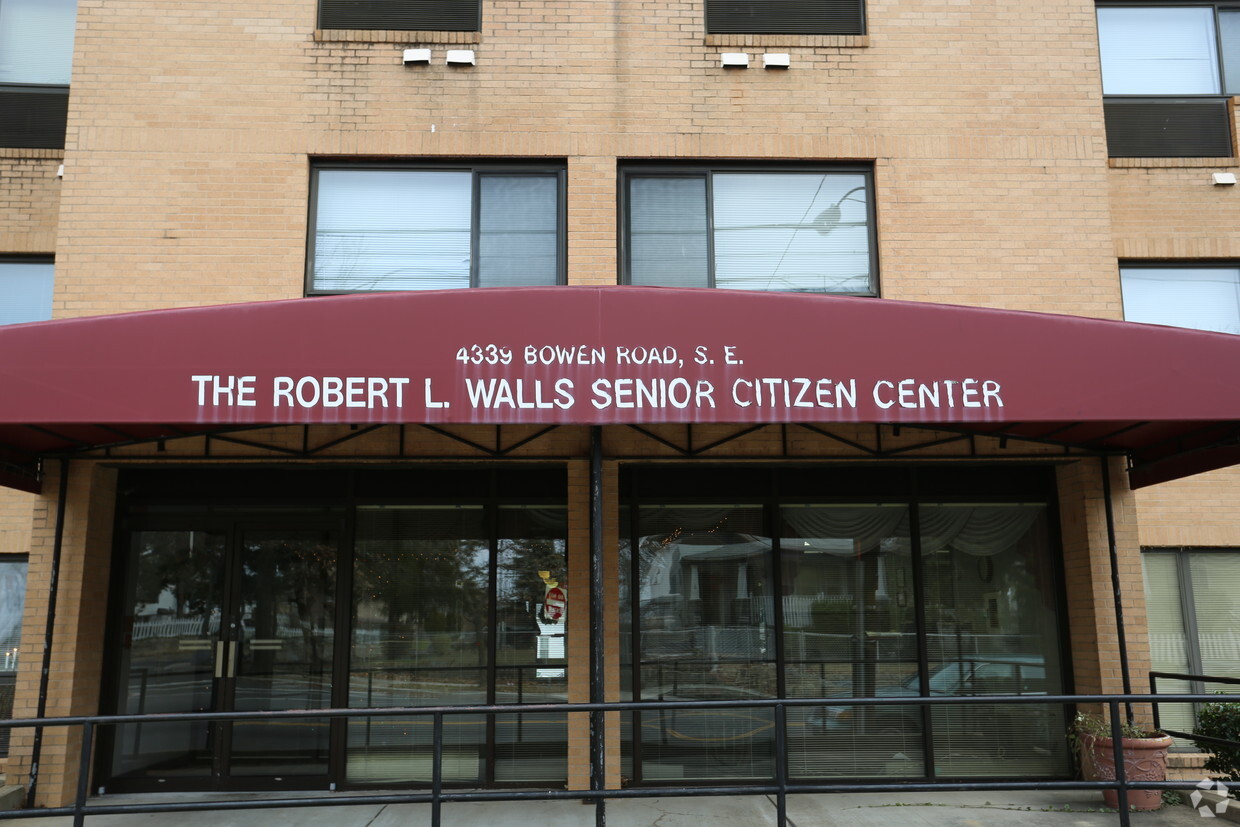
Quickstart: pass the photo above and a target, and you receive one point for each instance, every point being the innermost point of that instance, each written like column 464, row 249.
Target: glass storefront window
column 12, row 603
column 882, row 599
column 428, row 585
column 992, row 629
column 850, row 632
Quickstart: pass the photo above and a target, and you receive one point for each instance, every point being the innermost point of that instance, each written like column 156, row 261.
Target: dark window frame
column 720, row 19
column 1115, row 104
column 540, row 168
column 693, row 170
column 397, row 15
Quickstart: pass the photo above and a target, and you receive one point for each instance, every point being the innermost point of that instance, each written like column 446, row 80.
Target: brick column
column 1087, row 572
column 579, row 622
column 78, row 635
column 592, row 220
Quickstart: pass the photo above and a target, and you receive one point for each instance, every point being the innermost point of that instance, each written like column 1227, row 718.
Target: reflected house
column 320, row 371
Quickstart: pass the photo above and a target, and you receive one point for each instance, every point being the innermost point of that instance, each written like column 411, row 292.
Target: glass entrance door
column 279, row 653
column 229, row 616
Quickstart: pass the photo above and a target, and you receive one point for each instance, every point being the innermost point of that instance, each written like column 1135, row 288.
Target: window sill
column 1172, row 163
column 809, row 41
column 32, row 152
column 393, row 36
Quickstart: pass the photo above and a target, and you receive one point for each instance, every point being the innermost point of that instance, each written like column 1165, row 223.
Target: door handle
column 232, row 659
column 219, row 659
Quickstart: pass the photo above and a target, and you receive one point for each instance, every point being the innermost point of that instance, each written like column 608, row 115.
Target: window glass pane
column 517, row 232
column 12, row 602
column 25, row 291
column 795, row 231
column 706, row 633
column 420, row 607
column 530, row 656
column 1207, row 298
column 392, row 229
column 1216, row 600
column 36, row 41
column 1168, row 644
column 175, row 595
column 1229, row 26
column 992, row 630
column 1158, row 51
column 667, row 232
column 850, row 631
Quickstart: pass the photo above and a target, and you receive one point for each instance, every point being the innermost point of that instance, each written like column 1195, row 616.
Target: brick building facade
column 195, row 141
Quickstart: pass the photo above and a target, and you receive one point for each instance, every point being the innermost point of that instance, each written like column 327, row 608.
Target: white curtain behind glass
column 25, row 291
column 392, row 230
column 791, row 231
column 36, row 41
column 1206, row 298
column 667, row 232
column 1158, row 51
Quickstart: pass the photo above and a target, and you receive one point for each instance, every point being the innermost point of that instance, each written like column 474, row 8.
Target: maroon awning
column 622, row 355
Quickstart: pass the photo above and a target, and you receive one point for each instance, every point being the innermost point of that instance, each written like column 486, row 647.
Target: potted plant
column 1144, row 753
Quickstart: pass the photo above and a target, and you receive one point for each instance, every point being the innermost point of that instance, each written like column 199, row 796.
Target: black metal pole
column 79, row 800
column 436, row 768
column 597, row 781
column 1117, row 755
column 1120, row 636
column 36, row 749
column 781, row 765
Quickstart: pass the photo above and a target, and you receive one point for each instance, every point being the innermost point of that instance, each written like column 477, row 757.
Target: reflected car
column 1015, row 674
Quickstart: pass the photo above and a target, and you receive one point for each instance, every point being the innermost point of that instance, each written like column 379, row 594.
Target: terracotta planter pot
column 1145, row 759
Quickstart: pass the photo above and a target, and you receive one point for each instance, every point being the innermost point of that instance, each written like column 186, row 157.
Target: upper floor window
column 36, row 56
column 1166, row 74
column 1206, row 297
column 25, row 290
column 785, row 16
column 401, row 15
column 435, row 227
column 798, row 229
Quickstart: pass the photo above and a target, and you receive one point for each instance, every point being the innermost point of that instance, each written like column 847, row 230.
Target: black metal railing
column 780, row 787
column 1217, row 698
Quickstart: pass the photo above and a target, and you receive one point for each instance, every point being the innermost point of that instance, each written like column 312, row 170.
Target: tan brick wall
column 1198, row 511
column 16, row 508
column 187, row 151
column 29, row 200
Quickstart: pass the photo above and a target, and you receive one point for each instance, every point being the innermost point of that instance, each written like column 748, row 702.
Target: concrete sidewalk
column 990, row 809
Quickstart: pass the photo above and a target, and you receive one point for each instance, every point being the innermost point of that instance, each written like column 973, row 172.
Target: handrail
column 780, row 789
column 1182, row 676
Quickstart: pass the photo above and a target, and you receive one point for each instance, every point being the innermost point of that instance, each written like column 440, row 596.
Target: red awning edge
column 620, row 355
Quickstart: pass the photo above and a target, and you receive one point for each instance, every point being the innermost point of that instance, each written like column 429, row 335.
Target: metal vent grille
column 785, row 16
column 1168, row 127
column 407, row 15
column 34, row 119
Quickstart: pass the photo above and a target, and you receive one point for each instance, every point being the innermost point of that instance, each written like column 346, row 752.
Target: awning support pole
column 1113, row 547
column 597, row 781
column 36, row 749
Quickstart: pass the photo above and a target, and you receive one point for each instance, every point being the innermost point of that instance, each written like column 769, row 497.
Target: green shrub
column 1221, row 720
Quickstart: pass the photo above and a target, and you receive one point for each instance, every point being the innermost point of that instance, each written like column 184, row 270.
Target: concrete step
column 12, row 797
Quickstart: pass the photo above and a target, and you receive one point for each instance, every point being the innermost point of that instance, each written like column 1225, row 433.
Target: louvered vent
column 406, row 15
column 1168, row 127
column 33, row 119
column 785, row 17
